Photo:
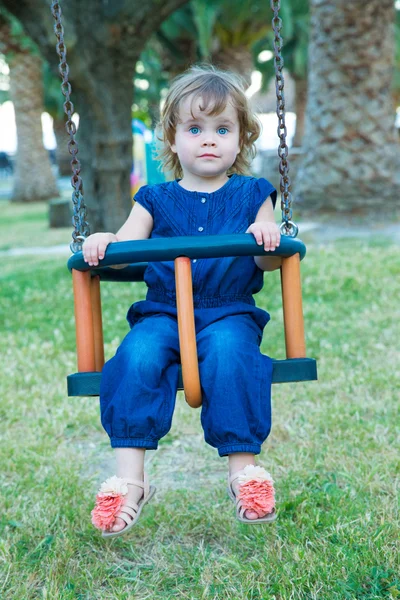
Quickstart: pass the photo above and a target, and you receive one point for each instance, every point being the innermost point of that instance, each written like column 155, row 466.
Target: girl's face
column 206, row 145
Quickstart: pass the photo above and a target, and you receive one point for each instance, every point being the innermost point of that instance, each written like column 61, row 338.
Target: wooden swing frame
column 88, row 317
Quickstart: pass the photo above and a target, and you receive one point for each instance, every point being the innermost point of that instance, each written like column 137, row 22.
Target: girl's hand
column 267, row 233
column 95, row 245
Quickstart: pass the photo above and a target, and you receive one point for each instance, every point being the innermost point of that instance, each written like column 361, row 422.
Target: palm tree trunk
column 349, row 144
column 62, row 154
column 105, row 145
column 34, row 180
column 300, row 109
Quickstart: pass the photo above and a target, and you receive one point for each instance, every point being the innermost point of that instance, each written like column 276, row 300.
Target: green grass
column 333, row 451
column 26, row 225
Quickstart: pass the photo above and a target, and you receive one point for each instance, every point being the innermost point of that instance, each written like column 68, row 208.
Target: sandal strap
column 143, row 484
column 130, row 509
column 146, row 486
column 239, row 506
column 231, row 478
column 124, row 518
column 134, row 482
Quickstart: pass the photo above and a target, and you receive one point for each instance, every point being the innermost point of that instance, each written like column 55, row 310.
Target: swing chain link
column 288, row 227
column 81, row 226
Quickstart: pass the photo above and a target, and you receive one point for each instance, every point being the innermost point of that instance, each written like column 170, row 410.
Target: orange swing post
column 292, row 307
column 187, row 331
column 84, row 321
column 88, row 321
column 97, row 323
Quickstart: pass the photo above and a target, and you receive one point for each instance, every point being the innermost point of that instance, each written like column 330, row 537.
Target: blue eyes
column 196, row 130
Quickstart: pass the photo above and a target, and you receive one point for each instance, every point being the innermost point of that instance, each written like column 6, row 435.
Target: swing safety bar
column 136, row 254
column 208, row 246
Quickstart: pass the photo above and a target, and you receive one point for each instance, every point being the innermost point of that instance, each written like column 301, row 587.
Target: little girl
column 208, row 134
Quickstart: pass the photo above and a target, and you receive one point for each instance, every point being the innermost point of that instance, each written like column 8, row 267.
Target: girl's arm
column 266, row 232
column 138, row 226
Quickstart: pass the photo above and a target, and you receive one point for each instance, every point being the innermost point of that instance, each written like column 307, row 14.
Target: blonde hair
column 215, row 88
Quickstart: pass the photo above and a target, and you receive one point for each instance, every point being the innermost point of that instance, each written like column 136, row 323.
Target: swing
column 137, row 253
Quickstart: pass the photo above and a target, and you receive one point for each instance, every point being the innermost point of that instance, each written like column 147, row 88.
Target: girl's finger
column 88, row 254
column 94, row 256
column 102, row 249
column 274, row 240
column 267, row 240
column 258, row 236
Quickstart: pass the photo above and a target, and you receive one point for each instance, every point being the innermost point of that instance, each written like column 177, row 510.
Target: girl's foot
column 252, row 490
column 118, row 507
column 130, row 464
column 134, row 495
column 237, row 462
column 249, row 514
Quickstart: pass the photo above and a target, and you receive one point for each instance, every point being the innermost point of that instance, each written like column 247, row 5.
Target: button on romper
column 138, row 385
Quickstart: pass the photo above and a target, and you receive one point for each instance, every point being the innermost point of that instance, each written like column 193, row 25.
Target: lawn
column 333, row 450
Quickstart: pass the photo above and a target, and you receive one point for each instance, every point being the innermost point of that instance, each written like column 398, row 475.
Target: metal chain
column 288, row 227
column 81, row 227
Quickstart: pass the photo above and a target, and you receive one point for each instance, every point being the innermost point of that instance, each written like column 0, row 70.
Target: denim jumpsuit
column 138, row 385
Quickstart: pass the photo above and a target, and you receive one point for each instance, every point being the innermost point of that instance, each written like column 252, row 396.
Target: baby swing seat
column 136, row 254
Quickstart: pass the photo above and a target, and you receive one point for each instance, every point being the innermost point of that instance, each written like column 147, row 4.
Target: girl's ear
column 173, row 148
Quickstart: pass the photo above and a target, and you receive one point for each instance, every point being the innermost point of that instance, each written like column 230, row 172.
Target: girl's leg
column 130, row 464
column 137, row 396
column 236, row 382
column 239, row 460
column 138, row 385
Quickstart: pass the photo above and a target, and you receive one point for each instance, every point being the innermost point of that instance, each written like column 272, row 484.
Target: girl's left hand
column 267, row 233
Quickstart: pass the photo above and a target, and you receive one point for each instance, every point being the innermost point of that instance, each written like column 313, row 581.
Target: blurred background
column 341, row 95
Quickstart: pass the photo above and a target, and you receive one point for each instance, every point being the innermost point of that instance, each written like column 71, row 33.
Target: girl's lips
column 208, row 156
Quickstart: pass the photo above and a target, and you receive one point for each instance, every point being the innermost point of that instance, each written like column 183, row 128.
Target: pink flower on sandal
column 256, row 490
column 109, row 502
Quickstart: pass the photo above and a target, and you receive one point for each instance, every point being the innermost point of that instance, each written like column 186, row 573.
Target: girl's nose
column 208, row 142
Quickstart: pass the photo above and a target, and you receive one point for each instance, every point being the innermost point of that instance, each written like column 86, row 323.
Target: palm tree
column 53, row 103
column 396, row 74
column 227, row 30
column 295, row 33
column 204, row 30
column 350, row 147
column 231, row 35
column 104, row 41
column 33, row 178
column 233, row 27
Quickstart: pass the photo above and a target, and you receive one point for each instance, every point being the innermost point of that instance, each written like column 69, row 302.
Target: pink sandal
column 110, row 504
column 256, row 492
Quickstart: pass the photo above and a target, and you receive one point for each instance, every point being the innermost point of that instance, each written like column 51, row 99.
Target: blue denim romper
column 138, row 386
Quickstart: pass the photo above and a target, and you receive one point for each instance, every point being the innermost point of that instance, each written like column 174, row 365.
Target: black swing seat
column 136, row 254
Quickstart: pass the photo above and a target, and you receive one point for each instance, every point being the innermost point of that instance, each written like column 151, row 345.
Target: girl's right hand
column 95, row 245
